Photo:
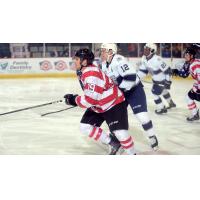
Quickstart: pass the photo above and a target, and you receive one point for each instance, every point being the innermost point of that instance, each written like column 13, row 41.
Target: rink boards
column 36, row 67
column 52, row 67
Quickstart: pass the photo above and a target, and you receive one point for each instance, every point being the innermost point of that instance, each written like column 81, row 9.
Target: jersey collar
column 108, row 63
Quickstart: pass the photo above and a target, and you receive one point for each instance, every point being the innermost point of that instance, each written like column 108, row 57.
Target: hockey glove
column 197, row 91
column 70, row 99
column 175, row 72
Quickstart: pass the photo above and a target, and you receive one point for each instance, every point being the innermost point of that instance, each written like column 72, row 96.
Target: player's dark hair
column 190, row 51
column 85, row 54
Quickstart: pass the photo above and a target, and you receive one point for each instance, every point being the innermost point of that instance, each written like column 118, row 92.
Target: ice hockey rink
column 27, row 133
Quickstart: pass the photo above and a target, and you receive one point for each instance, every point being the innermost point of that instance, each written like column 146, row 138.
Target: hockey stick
column 28, row 108
column 49, row 113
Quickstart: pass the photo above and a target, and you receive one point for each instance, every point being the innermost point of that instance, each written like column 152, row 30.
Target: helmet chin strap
column 150, row 55
column 109, row 59
column 82, row 65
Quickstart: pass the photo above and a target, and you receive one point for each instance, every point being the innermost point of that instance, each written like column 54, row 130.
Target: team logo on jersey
column 163, row 65
column 45, row 65
column 60, row 65
column 119, row 59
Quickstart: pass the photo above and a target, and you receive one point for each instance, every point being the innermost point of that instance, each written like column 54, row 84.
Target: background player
column 104, row 101
column 124, row 75
column 160, row 72
column 191, row 67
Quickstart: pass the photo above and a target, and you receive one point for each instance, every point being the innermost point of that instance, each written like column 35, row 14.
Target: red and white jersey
column 195, row 73
column 100, row 93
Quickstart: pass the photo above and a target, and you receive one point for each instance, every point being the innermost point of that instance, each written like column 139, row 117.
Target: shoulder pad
column 196, row 62
column 119, row 58
column 143, row 58
column 158, row 58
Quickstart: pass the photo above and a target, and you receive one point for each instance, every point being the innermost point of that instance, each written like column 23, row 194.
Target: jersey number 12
column 125, row 67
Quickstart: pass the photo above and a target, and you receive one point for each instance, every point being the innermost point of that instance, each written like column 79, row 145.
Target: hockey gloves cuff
column 70, row 99
column 175, row 72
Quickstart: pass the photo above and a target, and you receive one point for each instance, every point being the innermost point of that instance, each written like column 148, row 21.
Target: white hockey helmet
column 151, row 46
column 109, row 46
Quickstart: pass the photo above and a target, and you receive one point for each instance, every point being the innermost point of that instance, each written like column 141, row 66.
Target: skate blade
column 155, row 148
column 121, row 151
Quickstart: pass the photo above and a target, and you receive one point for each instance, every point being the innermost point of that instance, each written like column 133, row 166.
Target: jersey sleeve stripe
column 91, row 100
column 194, row 67
column 92, row 73
column 130, row 77
column 157, row 71
column 80, row 102
column 144, row 71
column 110, row 97
column 103, row 101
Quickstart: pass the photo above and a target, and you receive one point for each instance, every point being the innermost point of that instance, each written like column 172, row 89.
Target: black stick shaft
column 37, row 106
column 57, row 111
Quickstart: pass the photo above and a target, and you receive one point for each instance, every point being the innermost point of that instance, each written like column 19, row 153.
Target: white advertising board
column 50, row 67
column 36, row 66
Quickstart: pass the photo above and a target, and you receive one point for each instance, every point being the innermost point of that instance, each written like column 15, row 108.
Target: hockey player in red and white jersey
column 191, row 67
column 103, row 101
column 160, row 72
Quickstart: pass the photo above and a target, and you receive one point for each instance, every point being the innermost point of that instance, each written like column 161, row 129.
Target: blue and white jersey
column 121, row 72
column 156, row 67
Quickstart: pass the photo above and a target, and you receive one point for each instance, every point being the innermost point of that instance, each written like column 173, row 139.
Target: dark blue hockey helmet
column 190, row 51
column 85, row 54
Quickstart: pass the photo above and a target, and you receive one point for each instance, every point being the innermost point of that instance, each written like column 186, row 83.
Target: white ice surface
column 28, row 133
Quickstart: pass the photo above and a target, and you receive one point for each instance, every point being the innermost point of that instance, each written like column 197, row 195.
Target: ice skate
column 171, row 105
column 193, row 117
column 154, row 142
column 161, row 111
column 114, row 145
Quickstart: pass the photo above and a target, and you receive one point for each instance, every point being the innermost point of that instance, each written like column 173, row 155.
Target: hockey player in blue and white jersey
column 124, row 75
column 160, row 72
